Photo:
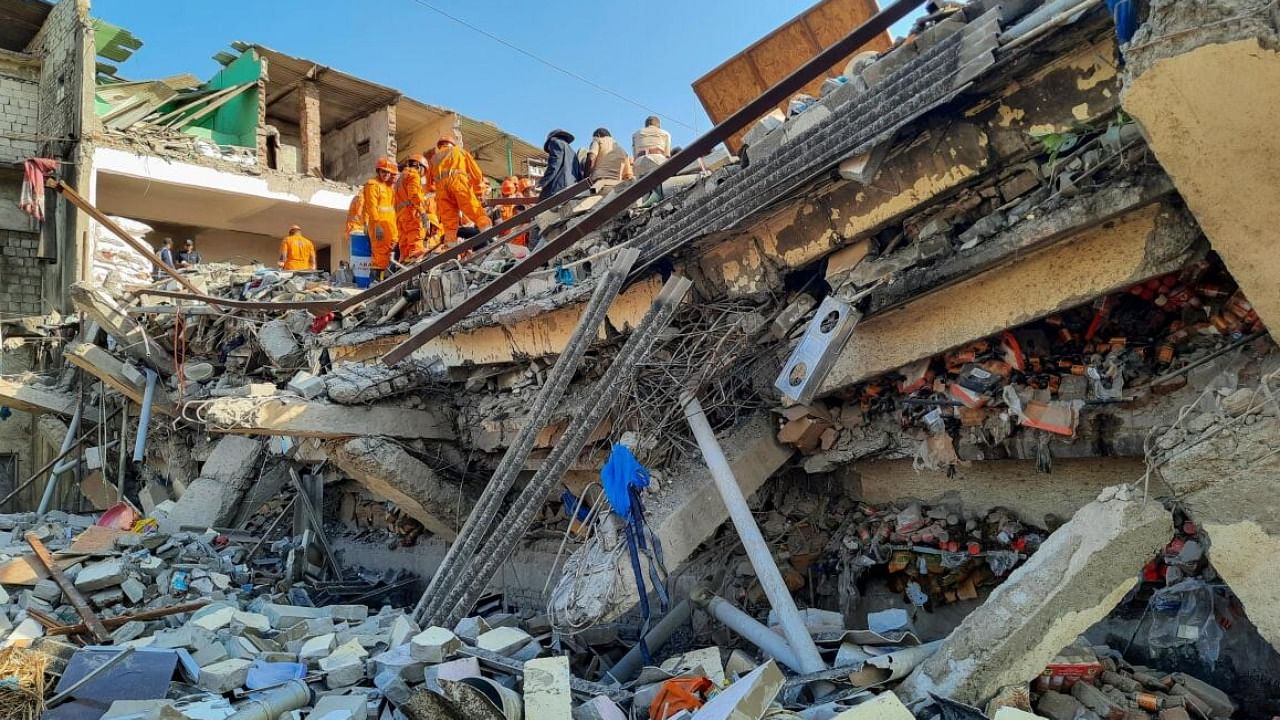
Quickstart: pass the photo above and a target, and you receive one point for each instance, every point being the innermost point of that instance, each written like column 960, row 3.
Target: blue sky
column 648, row 52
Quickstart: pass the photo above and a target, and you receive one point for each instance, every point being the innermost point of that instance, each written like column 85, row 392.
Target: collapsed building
column 967, row 357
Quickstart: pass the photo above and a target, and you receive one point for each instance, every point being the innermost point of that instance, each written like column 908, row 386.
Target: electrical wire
column 554, row 66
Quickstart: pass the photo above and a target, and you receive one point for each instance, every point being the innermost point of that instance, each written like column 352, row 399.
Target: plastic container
column 361, row 259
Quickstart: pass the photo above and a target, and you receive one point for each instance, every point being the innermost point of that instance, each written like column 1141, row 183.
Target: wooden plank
column 78, row 601
column 119, row 620
column 26, row 570
column 110, row 370
column 730, row 86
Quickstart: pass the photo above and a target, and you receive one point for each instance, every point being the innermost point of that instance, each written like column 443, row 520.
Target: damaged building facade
column 953, row 395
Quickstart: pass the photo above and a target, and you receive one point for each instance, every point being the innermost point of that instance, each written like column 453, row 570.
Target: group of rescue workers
column 419, row 207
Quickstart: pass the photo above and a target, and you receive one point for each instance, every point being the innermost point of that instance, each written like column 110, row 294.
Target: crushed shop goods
column 1034, row 383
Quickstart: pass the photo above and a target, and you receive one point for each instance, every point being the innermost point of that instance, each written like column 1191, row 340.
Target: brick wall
column 20, row 291
column 348, row 154
column 19, row 99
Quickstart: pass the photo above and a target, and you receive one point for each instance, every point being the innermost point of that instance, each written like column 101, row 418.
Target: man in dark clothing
column 563, row 168
column 189, row 258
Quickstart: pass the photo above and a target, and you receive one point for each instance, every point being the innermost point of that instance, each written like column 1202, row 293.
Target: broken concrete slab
column 99, row 575
column 546, row 689
column 109, row 369
column 341, row 707
column 311, row 418
column 391, row 472
column 434, row 645
column 885, row 706
column 749, row 697
column 1075, row 579
column 100, row 308
column 225, row 676
column 503, row 640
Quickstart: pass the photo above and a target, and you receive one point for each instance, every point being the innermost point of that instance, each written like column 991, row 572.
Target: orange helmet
column 295, row 227
column 417, row 158
column 509, row 186
column 445, row 141
column 389, row 165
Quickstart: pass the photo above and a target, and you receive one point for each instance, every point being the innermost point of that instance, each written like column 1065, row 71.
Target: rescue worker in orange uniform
column 296, row 251
column 511, row 188
column 458, row 184
column 355, row 215
column 379, row 214
column 434, row 240
column 411, row 206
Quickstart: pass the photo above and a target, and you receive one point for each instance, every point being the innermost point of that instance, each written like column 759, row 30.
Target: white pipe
column 752, row 630
column 52, row 483
column 144, row 418
column 806, row 653
column 274, row 703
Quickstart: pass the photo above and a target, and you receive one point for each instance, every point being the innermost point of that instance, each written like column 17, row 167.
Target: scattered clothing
column 563, row 168
column 620, row 474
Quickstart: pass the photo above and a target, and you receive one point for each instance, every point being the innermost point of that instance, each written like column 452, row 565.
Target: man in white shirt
column 651, row 146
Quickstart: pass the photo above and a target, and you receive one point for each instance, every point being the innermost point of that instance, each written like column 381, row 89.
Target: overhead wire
column 553, row 66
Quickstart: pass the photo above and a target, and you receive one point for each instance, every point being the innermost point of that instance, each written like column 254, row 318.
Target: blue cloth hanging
column 1125, row 14
column 620, row 474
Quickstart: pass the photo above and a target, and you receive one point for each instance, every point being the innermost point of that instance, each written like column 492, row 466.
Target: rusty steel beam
column 783, row 90
column 493, row 202
column 78, row 601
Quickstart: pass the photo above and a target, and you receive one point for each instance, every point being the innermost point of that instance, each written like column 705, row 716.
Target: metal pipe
column 752, row 630
column 758, row 552
column 144, row 418
column 274, row 703
column 124, row 443
column 629, row 665
column 67, row 441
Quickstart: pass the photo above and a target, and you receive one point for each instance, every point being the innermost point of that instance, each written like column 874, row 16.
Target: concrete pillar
column 1216, row 139
column 309, row 127
column 1074, row 580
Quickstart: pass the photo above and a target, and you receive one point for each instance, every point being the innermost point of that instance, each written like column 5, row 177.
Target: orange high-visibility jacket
column 380, row 220
column 298, row 252
column 453, row 161
column 355, row 214
column 411, row 203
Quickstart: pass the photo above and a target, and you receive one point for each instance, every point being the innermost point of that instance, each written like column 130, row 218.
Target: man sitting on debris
column 189, row 258
column 166, row 257
column 651, row 145
column 379, row 212
column 456, row 180
column 607, row 162
column 296, row 251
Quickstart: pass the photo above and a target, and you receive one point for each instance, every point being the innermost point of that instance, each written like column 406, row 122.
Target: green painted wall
column 236, row 122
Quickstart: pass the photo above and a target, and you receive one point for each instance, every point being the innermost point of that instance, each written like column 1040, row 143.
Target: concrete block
column 47, row 590
column 470, row 629
column 402, row 628
column 504, row 641
column 134, row 590
column 393, row 687
column 214, row 652
column 306, row 628
column 546, row 689
column 452, row 670
column 307, row 385
column 349, row 613
column 285, row 616
column 342, row 670
column 225, row 676
column 252, row 620
column 24, row 634
column 599, row 708
column 107, row 597
column 341, row 707
column 128, row 631
column 316, row 648
column 277, row 342
column 1058, row 706
column 434, row 645
column 214, row 617
column 399, row 660
column 99, row 575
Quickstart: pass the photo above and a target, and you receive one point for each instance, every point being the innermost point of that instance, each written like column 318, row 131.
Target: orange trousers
column 455, row 199
column 383, row 237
